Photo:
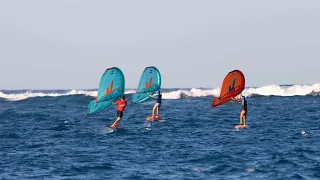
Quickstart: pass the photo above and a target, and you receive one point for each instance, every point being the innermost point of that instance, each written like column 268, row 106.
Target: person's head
column 122, row 97
column 158, row 92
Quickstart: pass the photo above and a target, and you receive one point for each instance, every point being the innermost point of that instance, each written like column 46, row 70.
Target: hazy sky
column 68, row 44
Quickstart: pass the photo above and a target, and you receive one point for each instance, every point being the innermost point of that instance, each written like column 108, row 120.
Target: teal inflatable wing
column 94, row 107
column 140, row 97
column 150, row 82
column 111, row 88
column 111, row 85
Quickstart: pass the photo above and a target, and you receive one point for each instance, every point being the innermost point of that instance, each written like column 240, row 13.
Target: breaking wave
column 275, row 90
column 269, row 90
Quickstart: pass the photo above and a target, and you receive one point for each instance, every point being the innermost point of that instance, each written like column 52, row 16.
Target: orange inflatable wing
column 217, row 101
column 233, row 84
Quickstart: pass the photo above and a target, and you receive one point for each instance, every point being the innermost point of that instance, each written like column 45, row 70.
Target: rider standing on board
column 243, row 114
column 122, row 103
column 158, row 104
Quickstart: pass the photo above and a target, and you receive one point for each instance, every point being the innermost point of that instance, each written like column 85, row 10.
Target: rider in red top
column 122, row 103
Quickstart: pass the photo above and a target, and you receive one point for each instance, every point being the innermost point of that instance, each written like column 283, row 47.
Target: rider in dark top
column 158, row 104
column 243, row 114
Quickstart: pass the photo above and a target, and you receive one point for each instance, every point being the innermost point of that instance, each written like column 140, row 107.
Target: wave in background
column 269, row 90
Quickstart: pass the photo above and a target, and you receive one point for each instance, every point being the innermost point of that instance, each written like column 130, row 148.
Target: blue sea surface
column 49, row 138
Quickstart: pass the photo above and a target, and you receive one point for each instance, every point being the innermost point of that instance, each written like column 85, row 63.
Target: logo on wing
column 231, row 87
column 148, row 85
column 109, row 89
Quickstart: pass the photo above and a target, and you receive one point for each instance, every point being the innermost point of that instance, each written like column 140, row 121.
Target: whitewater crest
column 275, row 90
column 269, row 90
column 30, row 94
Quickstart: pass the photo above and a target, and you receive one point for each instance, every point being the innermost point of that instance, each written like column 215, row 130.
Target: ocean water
column 44, row 135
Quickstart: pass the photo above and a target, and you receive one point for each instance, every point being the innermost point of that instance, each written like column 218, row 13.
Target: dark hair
column 122, row 97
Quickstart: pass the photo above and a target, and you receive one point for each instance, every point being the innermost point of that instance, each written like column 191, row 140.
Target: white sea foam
column 30, row 94
column 191, row 93
column 275, row 90
column 25, row 95
column 269, row 90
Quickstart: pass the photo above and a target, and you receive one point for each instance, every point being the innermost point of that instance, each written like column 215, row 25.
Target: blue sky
column 68, row 44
